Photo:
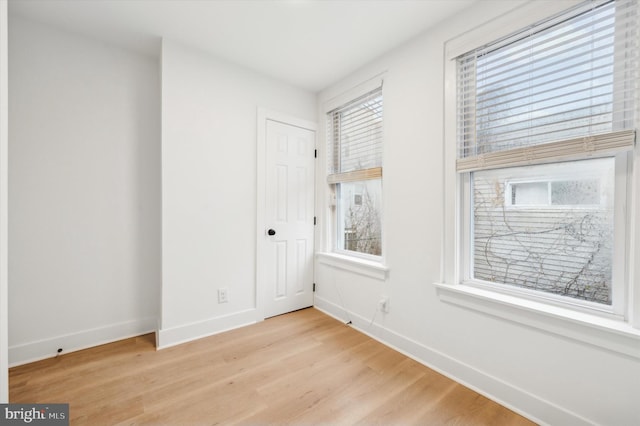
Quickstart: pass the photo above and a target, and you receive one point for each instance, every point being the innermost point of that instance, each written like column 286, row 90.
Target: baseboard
column 519, row 400
column 48, row 348
column 172, row 336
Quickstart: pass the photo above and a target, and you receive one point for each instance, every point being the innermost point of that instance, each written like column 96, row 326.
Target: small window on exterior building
column 575, row 192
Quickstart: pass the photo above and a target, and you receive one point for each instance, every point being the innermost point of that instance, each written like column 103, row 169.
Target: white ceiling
column 307, row 43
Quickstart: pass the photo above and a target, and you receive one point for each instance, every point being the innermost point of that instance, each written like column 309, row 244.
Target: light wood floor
column 300, row 368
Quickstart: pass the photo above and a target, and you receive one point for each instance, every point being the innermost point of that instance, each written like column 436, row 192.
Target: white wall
column 550, row 378
column 209, row 188
column 4, row 174
column 84, row 192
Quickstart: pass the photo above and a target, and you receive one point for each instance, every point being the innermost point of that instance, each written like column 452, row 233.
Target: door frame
column 263, row 116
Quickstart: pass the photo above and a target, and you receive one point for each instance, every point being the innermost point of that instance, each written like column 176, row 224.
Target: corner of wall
column 4, row 136
column 47, row 348
column 172, row 336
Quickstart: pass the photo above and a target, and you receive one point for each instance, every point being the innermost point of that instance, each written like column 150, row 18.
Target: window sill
column 365, row 267
column 613, row 335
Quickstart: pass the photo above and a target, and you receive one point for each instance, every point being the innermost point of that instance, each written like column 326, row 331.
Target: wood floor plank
column 364, row 395
column 301, row 368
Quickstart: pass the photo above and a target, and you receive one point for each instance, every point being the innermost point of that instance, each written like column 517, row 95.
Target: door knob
column 271, row 232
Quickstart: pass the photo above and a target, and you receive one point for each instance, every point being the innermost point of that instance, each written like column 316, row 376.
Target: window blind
column 355, row 140
column 564, row 88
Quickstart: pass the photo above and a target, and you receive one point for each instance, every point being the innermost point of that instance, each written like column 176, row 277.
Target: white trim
column 4, row 208
column 634, row 245
column 267, row 114
column 451, row 180
column 47, row 348
column 613, row 335
column 506, row 394
column 523, row 13
column 261, row 197
column 263, row 115
column 355, row 92
column 621, row 261
column 354, row 264
column 173, row 336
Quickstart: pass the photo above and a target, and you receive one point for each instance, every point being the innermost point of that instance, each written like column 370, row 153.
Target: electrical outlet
column 383, row 304
column 223, row 295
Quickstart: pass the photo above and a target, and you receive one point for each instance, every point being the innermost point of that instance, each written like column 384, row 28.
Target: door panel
column 290, row 171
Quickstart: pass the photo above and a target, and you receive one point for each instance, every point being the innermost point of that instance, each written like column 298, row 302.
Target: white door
column 289, row 218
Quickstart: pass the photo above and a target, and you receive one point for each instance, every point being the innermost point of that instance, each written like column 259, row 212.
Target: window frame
column 612, row 332
column 333, row 181
column 617, row 310
column 619, row 260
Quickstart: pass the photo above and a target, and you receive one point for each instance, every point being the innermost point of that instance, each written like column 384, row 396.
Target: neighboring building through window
column 546, row 118
column 355, row 173
column 554, row 236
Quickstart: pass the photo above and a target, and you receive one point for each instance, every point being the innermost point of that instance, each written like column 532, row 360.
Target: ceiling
column 306, row 43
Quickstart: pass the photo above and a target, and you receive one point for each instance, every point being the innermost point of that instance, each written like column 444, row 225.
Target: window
column 355, row 174
column 540, row 238
column 577, row 185
column 546, row 119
